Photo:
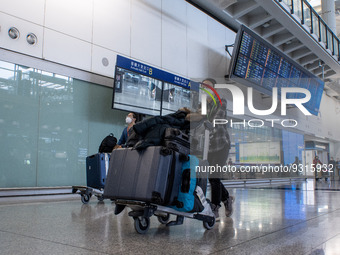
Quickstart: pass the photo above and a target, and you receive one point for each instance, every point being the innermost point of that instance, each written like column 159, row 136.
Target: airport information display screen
column 258, row 64
column 141, row 88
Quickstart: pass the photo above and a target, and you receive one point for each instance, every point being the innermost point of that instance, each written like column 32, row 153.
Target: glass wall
column 48, row 125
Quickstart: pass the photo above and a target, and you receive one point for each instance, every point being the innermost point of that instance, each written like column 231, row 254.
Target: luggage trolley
column 87, row 192
column 142, row 211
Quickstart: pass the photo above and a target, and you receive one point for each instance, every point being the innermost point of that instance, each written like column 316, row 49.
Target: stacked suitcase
column 152, row 175
column 149, row 176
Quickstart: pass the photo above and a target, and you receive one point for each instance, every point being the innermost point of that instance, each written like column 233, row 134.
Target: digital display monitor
column 258, row 64
column 261, row 152
column 141, row 88
column 136, row 93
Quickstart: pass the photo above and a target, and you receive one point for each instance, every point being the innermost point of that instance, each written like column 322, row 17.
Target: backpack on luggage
column 152, row 175
column 108, row 143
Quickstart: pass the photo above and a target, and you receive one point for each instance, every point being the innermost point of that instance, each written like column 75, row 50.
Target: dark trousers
column 218, row 191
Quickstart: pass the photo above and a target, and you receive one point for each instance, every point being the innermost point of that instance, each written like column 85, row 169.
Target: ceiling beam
column 288, row 48
column 240, row 9
column 272, row 30
column 308, row 59
column 319, row 70
column 259, row 20
column 300, row 53
column 282, row 38
column 313, row 65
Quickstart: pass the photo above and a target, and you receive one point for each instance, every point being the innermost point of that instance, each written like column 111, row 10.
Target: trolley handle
column 208, row 127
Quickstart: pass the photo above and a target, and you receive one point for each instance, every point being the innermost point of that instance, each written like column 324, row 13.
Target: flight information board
column 258, row 64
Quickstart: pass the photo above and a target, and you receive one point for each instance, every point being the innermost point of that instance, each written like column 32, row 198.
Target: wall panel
column 66, row 50
column 71, row 17
column 146, row 31
column 112, row 25
column 174, row 36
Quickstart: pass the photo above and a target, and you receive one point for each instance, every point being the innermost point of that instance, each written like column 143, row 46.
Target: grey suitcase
column 149, row 176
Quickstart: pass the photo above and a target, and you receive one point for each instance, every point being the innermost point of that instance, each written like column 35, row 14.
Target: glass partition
column 323, row 32
column 315, row 22
column 297, row 8
column 307, row 15
column 49, row 124
column 330, row 41
column 336, row 47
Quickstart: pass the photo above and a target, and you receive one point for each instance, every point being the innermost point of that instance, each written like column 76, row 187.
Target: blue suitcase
column 97, row 166
column 188, row 198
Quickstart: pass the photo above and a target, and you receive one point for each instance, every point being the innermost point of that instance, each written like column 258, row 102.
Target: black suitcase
column 97, row 166
column 176, row 140
column 152, row 175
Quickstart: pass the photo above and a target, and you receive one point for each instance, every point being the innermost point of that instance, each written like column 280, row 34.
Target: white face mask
column 128, row 120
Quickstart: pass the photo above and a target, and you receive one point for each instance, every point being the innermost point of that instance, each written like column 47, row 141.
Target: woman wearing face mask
column 130, row 121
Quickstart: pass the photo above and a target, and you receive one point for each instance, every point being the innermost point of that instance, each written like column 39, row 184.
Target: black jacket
column 150, row 132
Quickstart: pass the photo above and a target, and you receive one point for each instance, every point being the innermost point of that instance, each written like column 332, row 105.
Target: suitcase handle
column 185, row 185
column 174, row 132
column 172, row 174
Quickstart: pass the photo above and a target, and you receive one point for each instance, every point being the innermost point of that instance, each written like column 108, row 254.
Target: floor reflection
column 300, row 218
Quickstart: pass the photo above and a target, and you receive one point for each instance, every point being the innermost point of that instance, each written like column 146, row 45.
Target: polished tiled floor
column 282, row 219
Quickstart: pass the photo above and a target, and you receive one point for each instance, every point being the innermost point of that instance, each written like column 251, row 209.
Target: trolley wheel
column 100, row 198
column 209, row 225
column 142, row 224
column 164, row 219
column 85, row 198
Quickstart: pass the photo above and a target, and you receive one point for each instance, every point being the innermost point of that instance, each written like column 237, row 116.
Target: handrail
column 323, row 32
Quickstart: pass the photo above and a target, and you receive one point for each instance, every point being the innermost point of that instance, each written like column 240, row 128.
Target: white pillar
column 328, row 14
